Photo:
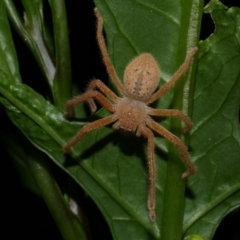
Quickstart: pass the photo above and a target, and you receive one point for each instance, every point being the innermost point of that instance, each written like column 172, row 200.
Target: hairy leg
column 87, row 128
column 106, row 59
column 176, row 141
column 85, row 97
column 146, row 132
column 175, row 77
column 171, row 113
column 99, row 85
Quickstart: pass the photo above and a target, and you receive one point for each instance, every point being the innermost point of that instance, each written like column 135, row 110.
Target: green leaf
column 195, row 237
column 33, row 35
column 8, row 57
column 45, row 127
column 214, row 190
column 110, row 167
column 167, row 31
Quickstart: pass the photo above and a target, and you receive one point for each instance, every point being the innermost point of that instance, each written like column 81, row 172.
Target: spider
column 131, row 111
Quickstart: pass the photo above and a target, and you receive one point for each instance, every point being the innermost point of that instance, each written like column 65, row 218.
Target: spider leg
column 85, row 97
column 87, row 128
column 97, row 84
column 176, row 141
column 175, row 77
column 172, row 113
column 146, row 132
column 106, row 59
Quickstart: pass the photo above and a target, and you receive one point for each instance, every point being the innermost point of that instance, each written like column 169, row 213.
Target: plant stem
column 62, row 80
column 174, row 199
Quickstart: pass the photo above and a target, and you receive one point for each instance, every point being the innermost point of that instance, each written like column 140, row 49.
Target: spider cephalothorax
column 131, row 112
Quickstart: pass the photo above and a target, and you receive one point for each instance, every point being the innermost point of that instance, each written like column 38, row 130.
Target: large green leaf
column 215, row 141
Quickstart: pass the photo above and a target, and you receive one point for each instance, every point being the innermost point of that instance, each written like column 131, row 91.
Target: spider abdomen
column 141, row 77
column 131, row 113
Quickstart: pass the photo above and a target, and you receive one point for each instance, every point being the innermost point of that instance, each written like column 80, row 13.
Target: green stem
column 62, row 80
column 67, row 223
column 174, row 198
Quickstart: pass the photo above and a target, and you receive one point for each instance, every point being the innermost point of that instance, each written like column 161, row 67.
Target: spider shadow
column 129, row 145
column 189, row 193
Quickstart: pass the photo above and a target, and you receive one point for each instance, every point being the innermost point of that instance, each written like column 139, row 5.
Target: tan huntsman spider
column 131, row 112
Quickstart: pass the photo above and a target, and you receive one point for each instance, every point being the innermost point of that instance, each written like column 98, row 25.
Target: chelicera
column 131, row 112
